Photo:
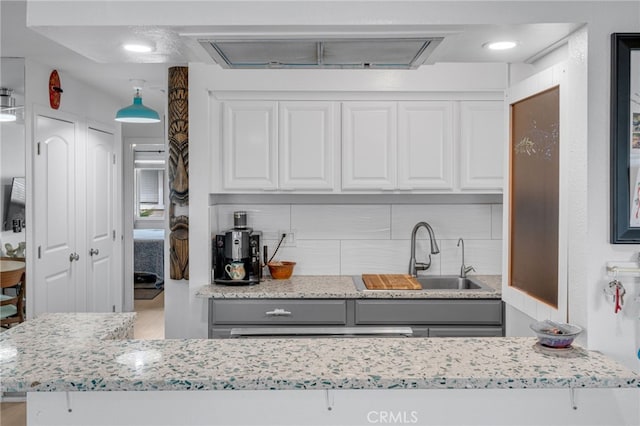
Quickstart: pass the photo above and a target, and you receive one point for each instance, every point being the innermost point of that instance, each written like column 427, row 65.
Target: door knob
column 92, row 252
column 74, row 256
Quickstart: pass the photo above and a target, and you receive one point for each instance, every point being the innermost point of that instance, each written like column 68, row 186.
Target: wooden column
column 178, row 119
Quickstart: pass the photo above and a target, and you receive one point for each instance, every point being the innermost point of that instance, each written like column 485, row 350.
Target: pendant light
column 7, row 105
column 136, row 112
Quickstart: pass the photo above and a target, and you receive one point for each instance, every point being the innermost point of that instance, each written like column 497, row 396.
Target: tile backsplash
column 351, row 239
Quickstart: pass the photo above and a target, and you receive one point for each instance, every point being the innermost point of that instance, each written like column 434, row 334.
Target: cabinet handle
column 92, row 252
column 74, row 256
column 278, row 312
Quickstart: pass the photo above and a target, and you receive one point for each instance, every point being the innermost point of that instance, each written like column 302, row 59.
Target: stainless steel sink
column 436, row 282
column 444, row 282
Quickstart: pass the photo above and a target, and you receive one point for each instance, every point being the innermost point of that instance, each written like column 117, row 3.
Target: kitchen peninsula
column 302, row 381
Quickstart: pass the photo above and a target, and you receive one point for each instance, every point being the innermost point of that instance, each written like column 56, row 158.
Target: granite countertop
column 329, row 287
column 83, row 326
column 59, row 364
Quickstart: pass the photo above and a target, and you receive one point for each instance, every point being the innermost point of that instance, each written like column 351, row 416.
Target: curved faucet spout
column 464, row 269
column 413, row 265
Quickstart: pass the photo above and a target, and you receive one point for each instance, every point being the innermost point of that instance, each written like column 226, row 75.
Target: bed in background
column 148, row 253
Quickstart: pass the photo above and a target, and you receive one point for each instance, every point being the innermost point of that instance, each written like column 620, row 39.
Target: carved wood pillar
column 178, row 133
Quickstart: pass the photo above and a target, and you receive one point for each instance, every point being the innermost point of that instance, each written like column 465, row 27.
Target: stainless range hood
column 387, row 53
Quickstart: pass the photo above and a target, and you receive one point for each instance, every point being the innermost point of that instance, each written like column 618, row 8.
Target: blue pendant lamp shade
column 137, row 113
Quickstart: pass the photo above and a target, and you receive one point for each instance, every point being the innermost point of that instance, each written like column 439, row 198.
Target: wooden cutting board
column 390, row 282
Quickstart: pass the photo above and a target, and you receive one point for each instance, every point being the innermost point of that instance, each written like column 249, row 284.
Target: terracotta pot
column 281, row 270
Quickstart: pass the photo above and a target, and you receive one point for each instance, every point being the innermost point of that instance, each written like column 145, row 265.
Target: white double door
column 74, row 229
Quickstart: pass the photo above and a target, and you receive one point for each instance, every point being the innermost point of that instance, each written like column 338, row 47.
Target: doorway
column 146, row 194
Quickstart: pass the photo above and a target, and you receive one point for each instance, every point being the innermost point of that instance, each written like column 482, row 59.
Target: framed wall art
column 625, row 138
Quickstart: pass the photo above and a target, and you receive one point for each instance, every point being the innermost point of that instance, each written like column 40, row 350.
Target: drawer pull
column 278, row 312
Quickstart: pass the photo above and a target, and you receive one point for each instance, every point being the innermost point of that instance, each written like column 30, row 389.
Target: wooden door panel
column 53, row 287
column 249, row 145
column 100, row 200
column 101, row 282
column 57, row 288
column 425, row 145
column 369, row 134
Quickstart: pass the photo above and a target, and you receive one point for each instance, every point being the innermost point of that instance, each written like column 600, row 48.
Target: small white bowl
column 555, row 334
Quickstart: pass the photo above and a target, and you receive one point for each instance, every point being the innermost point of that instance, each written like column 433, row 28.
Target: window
column 149, row 183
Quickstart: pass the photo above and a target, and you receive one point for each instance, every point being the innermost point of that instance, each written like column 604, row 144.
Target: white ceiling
column 16, row 40
column 94, row 55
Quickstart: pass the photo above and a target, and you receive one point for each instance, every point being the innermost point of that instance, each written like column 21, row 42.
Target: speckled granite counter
column 328, row 287
column 53, row 364
column 101, row 326
column 52, row 336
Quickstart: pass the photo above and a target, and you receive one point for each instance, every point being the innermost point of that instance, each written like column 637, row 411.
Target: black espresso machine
column 236, row 254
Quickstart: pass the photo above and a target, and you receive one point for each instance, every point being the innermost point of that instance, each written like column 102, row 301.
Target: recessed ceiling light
column 500, row 45
column 138, row 47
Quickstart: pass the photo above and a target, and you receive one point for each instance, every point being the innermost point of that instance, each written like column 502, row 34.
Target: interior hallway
column 149, row 324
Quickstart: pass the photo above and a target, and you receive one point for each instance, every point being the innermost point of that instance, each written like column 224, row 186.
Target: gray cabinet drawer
column 440, row 311
column 276, row 311
column 465, row 331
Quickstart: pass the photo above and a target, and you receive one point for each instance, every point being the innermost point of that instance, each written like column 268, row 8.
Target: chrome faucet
column 464, row 269
column 414, row 266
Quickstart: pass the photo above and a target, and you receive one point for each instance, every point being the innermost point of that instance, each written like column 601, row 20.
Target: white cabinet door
column 249, row 145
column 307, row 135
column 54, row 285
column 369, row 133
column 74, row 197
column 482, row 144
column 425, row 145
column 100, row 199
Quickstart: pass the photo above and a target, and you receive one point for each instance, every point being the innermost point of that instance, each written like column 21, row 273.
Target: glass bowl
column 555, row 334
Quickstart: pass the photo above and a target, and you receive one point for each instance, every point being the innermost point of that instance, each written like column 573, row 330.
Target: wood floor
column 149, row 325
column 150, row 319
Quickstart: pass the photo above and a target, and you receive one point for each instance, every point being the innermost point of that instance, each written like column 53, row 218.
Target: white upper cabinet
column 369, row 133
column 372, row 146
column 482, row 144
column 425, row 145
column 249, row 145
column 308, row 157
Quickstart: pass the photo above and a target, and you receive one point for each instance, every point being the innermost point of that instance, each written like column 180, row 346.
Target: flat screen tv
column 17, row 201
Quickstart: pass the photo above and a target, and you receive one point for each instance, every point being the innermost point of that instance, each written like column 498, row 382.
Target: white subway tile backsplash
column 469, row 221
column 484, row 255
column 340, row 222
column 312, row 257
column 383, row 257
column 496, row 221
column 268, row 218
column 352, row 239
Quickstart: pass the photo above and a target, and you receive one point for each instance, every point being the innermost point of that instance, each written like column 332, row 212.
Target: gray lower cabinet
column 442, row 317
column 279, row 311
column 243, row 317
column 426, row 317
column 429, row 311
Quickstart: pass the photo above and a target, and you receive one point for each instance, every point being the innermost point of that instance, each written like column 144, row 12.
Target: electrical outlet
column 290, row 239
